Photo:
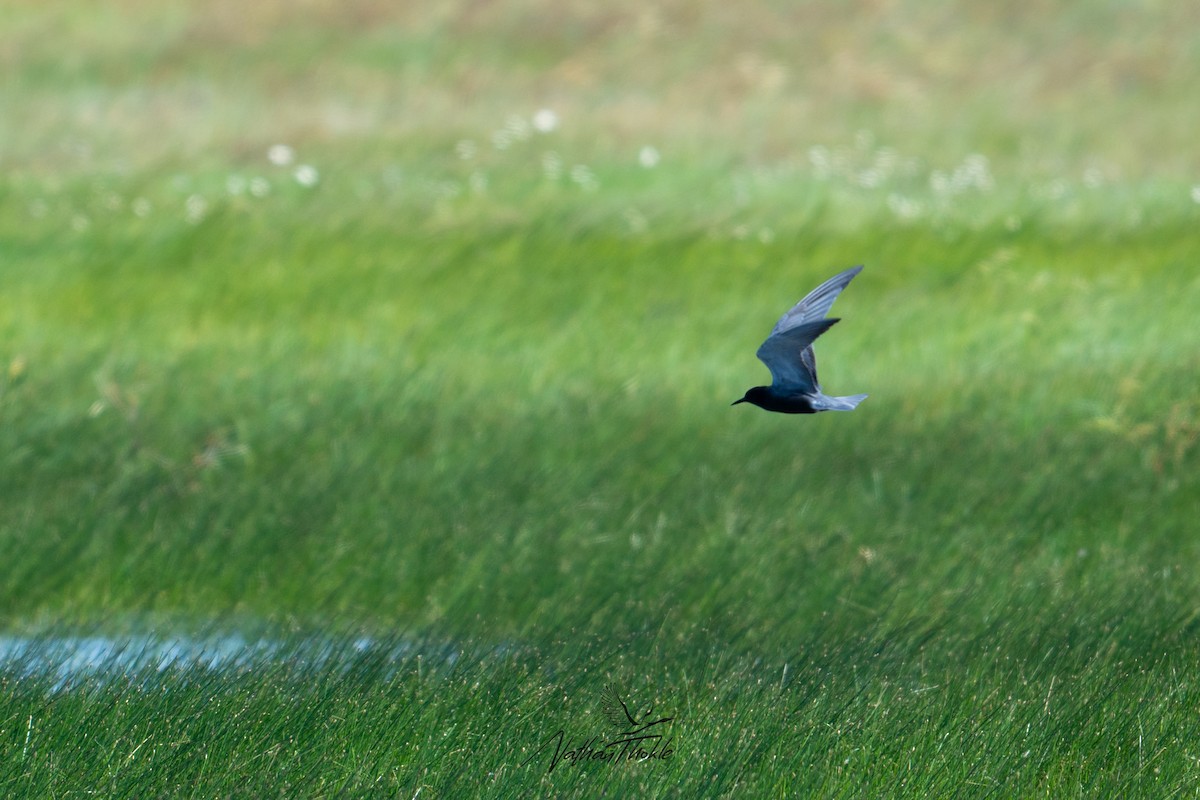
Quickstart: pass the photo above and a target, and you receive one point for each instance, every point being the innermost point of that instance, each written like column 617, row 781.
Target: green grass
column 460, row 411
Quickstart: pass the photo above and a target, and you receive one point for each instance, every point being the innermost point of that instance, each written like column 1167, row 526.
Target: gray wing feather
column 788, row 355
column 810, row 363
column 816, row 304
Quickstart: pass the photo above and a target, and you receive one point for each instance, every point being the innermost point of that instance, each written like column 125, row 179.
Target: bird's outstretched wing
column 816, row 304
column 615, row 710
column 789, row 356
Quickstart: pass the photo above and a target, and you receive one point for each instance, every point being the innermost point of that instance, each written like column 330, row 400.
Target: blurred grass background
column 419, row 323
column 1053, row 86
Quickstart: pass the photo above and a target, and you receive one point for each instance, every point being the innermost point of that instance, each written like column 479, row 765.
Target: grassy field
column 364, row 400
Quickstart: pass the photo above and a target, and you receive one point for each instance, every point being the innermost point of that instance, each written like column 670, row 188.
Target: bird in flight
column 788, row 353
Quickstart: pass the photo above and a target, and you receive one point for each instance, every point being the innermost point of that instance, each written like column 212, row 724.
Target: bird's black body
column 764, row 398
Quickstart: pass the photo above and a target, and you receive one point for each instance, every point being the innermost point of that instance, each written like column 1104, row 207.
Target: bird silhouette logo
column 617, row 712
column 637, row 737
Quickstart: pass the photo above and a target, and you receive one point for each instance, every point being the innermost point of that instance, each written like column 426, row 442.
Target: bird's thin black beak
column 739, row 400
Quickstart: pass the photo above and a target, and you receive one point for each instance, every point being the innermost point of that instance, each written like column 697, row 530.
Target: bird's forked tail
column 846, row 403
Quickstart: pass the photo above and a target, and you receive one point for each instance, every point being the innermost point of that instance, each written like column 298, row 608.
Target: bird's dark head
column 759, row 395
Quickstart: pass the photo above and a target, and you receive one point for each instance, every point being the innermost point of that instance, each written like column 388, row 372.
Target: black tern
column 788, row 353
